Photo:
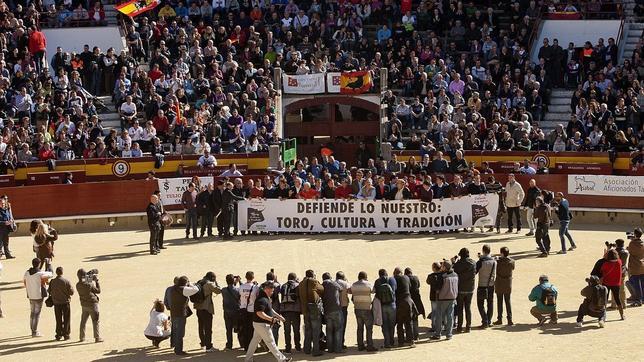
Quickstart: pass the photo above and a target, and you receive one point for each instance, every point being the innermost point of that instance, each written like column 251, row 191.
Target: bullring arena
column 353, row 136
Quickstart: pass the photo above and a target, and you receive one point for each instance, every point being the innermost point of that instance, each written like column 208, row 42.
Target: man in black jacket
column 529, row 204
column 154, row 223
column 405, row 309
column 465, row 268
column 205, row 207
column 414, row 290
column 217, row 209
column 228, row 199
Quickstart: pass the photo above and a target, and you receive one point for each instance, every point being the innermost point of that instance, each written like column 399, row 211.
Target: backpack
column 198, row 297
column 548, row 297
column 290, row 294
column 385, row 293
column 598, row 298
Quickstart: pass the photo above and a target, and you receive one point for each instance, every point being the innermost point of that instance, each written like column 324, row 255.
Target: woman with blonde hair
column 44, row 238
column 158, row 328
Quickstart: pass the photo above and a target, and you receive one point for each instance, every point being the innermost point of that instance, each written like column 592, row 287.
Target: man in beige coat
column 636, row 266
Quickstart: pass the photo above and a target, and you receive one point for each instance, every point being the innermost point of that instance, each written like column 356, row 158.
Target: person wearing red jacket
column 344, row 190
column 611, row 272
column 308, row 193
column 37, row 46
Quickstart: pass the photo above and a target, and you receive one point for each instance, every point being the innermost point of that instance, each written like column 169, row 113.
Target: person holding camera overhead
column 264, row 318
column 88, row 289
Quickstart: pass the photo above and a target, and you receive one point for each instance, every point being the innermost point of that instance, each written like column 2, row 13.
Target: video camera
column 91, row 276
column 610, row 245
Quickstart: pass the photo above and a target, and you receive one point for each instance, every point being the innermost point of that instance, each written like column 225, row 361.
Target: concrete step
column 557, row 117
column 561, row 93
column 559, row 108
column 630, row 46
column 636, row 26
column 559, row 101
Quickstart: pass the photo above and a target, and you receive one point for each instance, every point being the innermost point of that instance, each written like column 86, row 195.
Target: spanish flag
column 133, row 8
column 355, row 82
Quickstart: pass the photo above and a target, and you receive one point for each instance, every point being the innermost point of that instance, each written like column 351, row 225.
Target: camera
column 630, row 235
column 91, row 276
column 610, row 245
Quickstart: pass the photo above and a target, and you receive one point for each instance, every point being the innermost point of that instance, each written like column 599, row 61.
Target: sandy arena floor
column 132, row 279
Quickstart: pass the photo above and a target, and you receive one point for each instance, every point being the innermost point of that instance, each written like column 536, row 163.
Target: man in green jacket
column 545, row 296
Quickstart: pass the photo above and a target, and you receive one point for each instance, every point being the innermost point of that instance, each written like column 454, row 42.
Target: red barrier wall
column 133, row 196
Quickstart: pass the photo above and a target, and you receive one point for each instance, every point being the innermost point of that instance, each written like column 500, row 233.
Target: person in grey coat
column 503, row 285
column 486, row 269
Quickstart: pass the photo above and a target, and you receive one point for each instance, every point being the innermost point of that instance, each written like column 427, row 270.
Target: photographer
column 264, row 318
column 230, row 300
column 623, row 256
column 594, row 304
column 465, row 268
column 503, row 285
column 88, row 289
column 290, row 308
column 446, row 301
column 486, row 269
column 205, row 308
column 636, row 266
column 178, row 297
column 611, row 271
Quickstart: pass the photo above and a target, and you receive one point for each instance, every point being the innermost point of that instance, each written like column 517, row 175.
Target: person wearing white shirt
column 126, row 152
column 33, row 281
column 367, row 192
column 136, row 132
column 232, row 171
column 124, row 141
column 247, row 295
column 158, row 328
column 526, row 169
column 207, row 160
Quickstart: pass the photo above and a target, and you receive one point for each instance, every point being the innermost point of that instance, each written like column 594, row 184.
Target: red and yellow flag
column 355, row 82
column 136, row 7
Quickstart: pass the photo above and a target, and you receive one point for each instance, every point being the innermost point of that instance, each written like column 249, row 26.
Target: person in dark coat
column 493, row 186
column 440, row 188
column 503, row 285
column 425, row 192
column 414, row 291
column 154, row 223
column 217, row 209
column 205, row 207
column 400, row 191
column 382, row 189
column 228, row 199
column 465, row 268
column 405, row 309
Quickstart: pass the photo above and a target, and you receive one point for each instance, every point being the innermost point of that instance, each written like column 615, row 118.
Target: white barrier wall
column 73, row 39
column 576, row 31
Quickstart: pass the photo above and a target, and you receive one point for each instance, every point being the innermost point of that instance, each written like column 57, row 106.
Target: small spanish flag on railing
column 355, row 82
column 136, row 7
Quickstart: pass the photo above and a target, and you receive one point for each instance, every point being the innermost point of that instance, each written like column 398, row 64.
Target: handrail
column 535, row 31
column 620, row 33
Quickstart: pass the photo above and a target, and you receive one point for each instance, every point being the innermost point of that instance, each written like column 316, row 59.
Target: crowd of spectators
column 199, row 76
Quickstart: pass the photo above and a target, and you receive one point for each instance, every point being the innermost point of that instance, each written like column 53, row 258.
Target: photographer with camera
column 594, row 305
column 230, row 300
column 290, row 309
column 545, row 297
column 178, row 298
column 465, row 268
column 88, row 289
column 636, row 266
column 446, row 300
column 205, row 309
column 611, row 276
column 503, row 285
column 264, row 317
column 486, row 269
column 623, row 256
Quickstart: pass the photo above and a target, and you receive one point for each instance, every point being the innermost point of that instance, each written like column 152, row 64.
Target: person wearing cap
column 206, row 310
column 541, row 311
column 264, row 318
column 636, row 266
column 594, row 304
column 446, row 301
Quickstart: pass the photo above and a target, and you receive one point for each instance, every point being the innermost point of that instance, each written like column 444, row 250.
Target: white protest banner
column 303, row 84
column 606, row 185
column 333, row 82
column 366, row 216
column 172, row 188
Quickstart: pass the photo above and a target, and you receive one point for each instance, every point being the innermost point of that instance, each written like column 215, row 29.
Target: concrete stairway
column 558, row 110
column 110, row 119
column 632, row 35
